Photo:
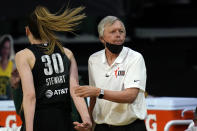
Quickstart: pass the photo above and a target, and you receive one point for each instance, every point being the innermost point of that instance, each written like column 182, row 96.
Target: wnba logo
column 119, row 72
column 49, row 93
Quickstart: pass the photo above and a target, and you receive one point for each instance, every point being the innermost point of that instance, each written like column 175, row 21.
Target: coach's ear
column 102, row 40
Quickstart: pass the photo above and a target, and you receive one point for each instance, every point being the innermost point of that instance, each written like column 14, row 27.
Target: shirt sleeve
column 136, row 74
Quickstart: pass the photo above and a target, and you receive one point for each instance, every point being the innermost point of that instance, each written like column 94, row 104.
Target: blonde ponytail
column 47, row 23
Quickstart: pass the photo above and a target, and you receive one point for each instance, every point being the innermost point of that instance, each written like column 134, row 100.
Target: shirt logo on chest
column 119, row 72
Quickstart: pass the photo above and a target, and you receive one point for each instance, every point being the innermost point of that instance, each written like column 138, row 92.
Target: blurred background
column 163, row 31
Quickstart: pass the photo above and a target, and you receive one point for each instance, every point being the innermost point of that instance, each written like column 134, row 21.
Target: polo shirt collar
column 120, row 57
column 104, row 60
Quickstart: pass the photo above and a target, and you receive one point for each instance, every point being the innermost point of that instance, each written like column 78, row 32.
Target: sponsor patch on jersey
column 50, row 93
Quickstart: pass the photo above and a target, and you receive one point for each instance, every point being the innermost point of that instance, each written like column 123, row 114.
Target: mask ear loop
column 105, row 43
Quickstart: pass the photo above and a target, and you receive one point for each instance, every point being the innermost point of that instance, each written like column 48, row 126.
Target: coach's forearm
column 125, row 96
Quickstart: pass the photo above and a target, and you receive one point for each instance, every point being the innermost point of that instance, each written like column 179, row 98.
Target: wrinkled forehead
column 110, row 24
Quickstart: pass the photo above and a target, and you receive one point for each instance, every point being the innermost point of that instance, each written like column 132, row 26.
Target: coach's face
column 114, row 34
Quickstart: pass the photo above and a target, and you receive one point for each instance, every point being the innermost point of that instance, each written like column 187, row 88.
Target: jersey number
column 57, row 64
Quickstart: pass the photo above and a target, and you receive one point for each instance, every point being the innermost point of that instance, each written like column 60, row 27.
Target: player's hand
column 83, row 126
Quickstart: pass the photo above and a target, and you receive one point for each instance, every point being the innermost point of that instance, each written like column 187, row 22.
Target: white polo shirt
column 127, row 71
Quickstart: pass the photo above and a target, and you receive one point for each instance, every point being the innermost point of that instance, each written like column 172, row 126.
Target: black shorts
column 137, row 125
column 52, row 120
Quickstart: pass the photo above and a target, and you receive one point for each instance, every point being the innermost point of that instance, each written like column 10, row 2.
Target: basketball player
column 49, row 74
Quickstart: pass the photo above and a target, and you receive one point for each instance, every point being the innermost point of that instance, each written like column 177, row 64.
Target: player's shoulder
column 23, row 53
column 68, row 52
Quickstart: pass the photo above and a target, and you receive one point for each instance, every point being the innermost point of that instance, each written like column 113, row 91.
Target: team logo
column 49, row 93
column 119, row 72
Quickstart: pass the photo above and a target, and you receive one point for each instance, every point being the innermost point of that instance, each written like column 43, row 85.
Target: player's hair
column 43, row 24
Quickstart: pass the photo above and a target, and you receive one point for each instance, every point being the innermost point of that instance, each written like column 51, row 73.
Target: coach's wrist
column 100, row 94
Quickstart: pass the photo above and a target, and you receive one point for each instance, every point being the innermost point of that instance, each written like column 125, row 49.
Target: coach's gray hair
column 108, row 20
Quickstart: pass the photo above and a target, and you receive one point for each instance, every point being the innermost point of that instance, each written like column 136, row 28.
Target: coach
column 117, row 79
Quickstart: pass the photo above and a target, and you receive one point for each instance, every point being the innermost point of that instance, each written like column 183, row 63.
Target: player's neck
column 35, row 41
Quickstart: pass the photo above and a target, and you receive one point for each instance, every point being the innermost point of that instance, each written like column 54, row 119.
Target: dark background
column 164, row 31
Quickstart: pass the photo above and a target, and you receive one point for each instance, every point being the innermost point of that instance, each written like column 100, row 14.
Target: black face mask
column 115, row 49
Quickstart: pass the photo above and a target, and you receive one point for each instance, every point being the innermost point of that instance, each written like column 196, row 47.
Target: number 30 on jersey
column 57, row 63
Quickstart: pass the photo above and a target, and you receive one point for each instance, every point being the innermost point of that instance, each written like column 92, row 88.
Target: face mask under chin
column 115, row 49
